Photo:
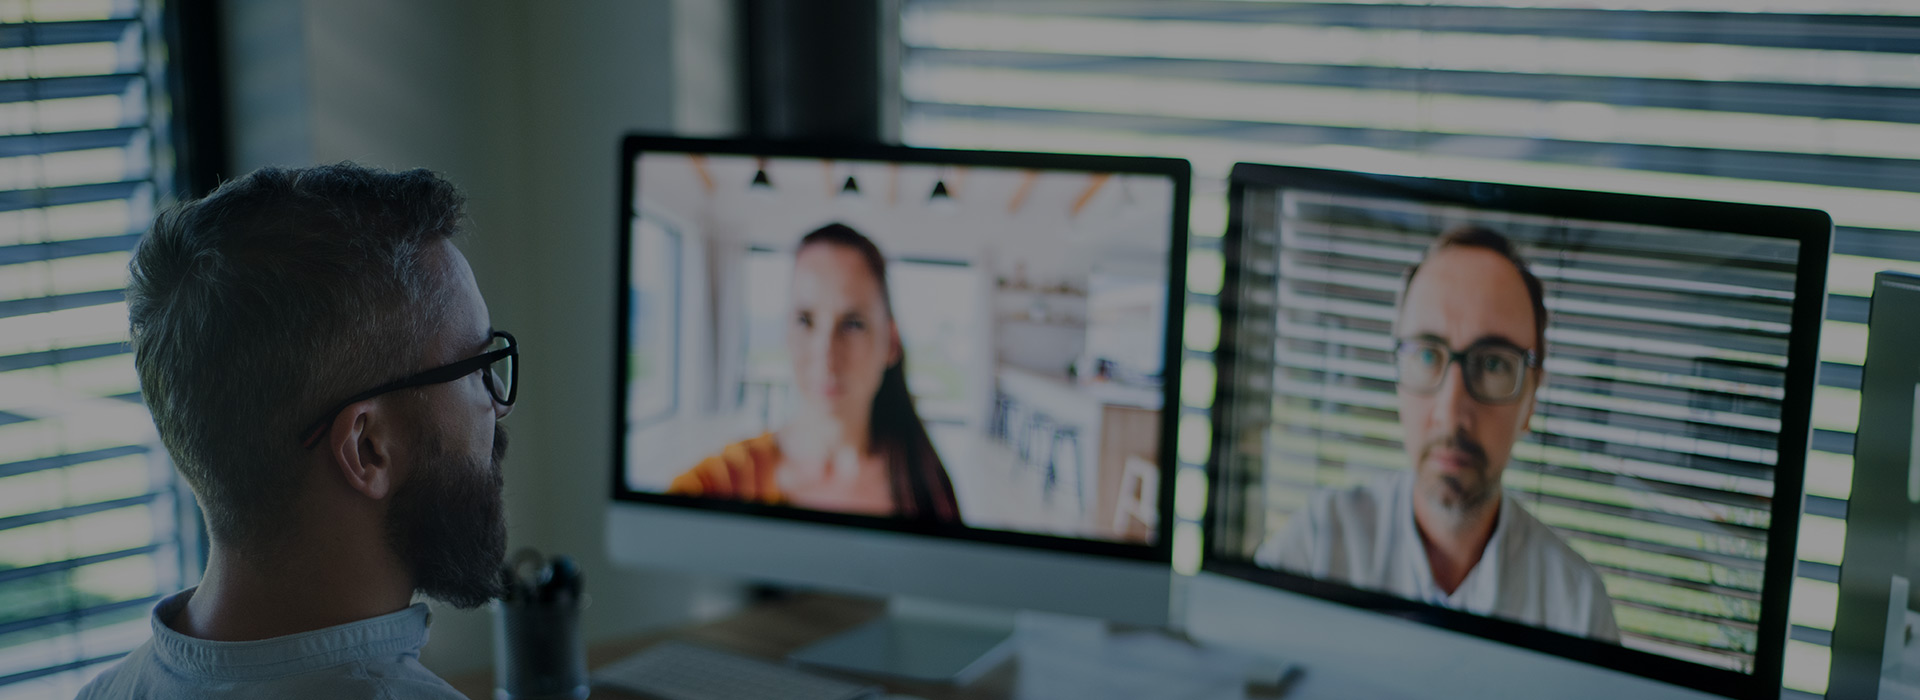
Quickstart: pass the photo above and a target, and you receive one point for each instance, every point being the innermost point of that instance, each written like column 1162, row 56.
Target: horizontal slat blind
column 88, row 536
column 1795, row 103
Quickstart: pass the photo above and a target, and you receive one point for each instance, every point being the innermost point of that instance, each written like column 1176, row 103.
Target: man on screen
column 1470, row 335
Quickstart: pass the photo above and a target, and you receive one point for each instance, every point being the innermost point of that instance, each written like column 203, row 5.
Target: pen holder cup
column 538, row 653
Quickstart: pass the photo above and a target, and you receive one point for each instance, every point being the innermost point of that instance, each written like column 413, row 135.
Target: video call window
column 993, row 337
column 1640, row 436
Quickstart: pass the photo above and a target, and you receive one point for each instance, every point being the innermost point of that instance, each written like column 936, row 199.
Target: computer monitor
column 900, row 371
column 1875, row 654
column 1574, row 424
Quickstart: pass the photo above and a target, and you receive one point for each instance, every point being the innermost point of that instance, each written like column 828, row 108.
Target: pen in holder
column 538, row 653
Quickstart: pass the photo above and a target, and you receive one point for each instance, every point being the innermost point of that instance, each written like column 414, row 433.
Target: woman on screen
column 855, row 444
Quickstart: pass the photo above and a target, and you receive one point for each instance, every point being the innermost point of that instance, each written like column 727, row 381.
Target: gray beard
column 1469, row 492
column 1455, row 508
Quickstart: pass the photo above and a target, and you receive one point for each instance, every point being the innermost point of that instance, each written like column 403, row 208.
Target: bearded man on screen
column 1470, row 337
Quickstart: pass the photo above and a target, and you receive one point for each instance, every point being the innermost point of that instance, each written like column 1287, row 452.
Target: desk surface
column 771, row 630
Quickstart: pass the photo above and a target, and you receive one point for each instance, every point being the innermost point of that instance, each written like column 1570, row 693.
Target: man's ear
column 362, row 446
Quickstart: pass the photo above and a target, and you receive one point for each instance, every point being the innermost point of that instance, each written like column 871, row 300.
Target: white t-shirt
column 1365, row 537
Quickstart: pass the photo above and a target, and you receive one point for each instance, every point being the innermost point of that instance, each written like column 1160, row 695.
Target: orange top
column 714, row 476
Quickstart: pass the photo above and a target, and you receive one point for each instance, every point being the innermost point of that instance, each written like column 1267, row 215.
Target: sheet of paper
column 1072, row 662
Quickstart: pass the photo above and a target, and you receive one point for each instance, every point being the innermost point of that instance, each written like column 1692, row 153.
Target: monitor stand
column 922, row 640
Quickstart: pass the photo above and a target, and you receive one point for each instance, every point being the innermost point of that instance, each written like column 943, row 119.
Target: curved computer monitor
column 1618, row 487
column 914, row 372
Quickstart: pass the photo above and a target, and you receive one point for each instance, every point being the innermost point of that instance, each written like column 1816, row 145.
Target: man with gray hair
column 322, row 369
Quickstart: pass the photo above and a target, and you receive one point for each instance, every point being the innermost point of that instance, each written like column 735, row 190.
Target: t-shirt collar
column 404, row 631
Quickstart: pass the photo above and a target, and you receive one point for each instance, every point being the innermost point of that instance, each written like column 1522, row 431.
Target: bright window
column 91, row 531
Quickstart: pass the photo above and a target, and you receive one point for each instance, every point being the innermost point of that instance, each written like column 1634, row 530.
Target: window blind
column 1793, row 103
column 89, row 535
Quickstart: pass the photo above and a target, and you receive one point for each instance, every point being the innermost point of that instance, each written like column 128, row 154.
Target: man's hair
column 271, row 299
column 1472, row 236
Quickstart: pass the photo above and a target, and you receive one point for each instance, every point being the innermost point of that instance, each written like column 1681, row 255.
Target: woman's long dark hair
column 921, row 488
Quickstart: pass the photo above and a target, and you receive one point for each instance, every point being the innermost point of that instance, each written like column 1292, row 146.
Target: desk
column 771, row 630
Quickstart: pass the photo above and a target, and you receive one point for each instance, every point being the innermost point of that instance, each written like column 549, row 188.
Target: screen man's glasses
column 1496, row 371
column 495, row 364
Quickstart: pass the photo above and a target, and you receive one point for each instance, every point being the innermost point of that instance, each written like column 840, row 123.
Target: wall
column 520, row 102
column 596, row 70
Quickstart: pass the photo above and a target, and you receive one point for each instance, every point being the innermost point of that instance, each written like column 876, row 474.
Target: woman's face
column 839, row 335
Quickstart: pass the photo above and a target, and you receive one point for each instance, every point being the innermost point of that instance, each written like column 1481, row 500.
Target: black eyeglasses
column 495, row 364
column 1496, row 372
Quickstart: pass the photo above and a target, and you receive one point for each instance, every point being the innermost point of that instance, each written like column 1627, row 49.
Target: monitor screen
column 957, row 343
column 1572, row 421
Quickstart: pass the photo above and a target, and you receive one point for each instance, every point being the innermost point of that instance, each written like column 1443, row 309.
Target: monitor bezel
column 1812, row 229
column 1178, row 170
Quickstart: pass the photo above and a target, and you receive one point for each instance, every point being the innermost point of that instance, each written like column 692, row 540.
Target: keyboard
column 679, row 671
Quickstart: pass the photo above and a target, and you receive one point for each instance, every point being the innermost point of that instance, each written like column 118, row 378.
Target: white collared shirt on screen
column 1364, row 536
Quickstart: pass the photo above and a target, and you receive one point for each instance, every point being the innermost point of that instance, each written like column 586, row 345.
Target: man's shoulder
column 1361, row 512
column 1365, row 499
column 365, row 678
column 1565, row 580
column 121, row 679
column 423, row 686
column 1342, row 531
column 1542, row 547
column 131, row 678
